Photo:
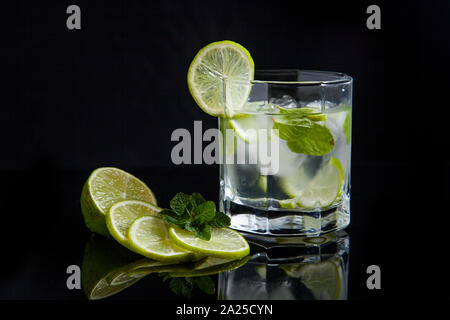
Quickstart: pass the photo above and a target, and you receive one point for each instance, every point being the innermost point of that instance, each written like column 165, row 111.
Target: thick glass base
column 285, row 222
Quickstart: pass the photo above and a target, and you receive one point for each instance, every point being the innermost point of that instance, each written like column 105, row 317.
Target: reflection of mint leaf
column 221, row 220
column 181, row 286
column 185, row 285
column 206, row 284
column 306, row 137
column 348, row 126
column 180, row 202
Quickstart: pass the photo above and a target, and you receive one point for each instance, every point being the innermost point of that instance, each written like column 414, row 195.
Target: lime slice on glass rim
column 105, row 187
column 214, row 63
column 122, row 215
column 149, row 236
column 224, row 243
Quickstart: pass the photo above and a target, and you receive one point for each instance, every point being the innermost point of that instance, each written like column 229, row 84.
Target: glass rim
column 340, row 78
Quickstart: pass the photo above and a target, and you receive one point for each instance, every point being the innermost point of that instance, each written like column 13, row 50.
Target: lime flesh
column 211, row 68
column 224, row 243
column 149, row 236
column 122, row 215
column 105, row 187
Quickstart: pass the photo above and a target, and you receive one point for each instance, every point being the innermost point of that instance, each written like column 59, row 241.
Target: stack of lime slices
column 115, row 203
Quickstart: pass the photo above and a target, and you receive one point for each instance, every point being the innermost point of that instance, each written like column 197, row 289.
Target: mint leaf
column 205, row 212
column 172, row 218
column 190, row 226
column 221, row 220
column 194, row 214
column 305, row 136
column 198, row 198
column 203, row 232
column 206, row 284
column 180, row 202
column 348, row 126
column 309, row 113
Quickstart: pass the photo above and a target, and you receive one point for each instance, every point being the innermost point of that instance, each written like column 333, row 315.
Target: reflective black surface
column 47, row 235
column 112, row 93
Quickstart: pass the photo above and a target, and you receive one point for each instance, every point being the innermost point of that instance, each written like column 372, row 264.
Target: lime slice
column 247, row 128
column 149, row 236
column 293, row 184
column 335, row 161
column 103, row 188
column 262, row 183
column 322, row 278
column 224, row 243
column 123, row 214
column 214, row 63
column 324, row 188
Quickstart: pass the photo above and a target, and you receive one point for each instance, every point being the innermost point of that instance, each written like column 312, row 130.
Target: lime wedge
column 213, row 63
column 322, row 278
column 224, row 243
column 103, row 188
column 149, row 237
column 123, row 214
column 324, row 188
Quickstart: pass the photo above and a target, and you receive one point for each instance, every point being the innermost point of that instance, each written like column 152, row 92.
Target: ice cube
column 286, row 102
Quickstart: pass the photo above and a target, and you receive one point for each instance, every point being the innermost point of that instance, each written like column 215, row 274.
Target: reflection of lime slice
column 122, row 215
column 149, row 237
column 322, row 278
column 323, row 188
column 210, row 266
column 105, row 187
column 261, row 270
column 224, row 243
column 158, row 266
column 213, row 63
column 105, row 267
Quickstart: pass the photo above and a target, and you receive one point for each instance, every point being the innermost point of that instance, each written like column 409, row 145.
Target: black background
column 111, row 94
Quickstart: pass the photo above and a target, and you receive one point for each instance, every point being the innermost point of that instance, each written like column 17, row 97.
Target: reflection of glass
column 109, row 268
column 291, row 268
column 286, row 153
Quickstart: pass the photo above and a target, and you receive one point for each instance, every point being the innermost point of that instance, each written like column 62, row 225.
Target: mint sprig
column 193, row 213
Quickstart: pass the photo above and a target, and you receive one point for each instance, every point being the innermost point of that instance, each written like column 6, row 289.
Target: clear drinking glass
column 286, row 151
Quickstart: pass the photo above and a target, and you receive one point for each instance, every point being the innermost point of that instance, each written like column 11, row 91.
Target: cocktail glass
column 286, row 152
